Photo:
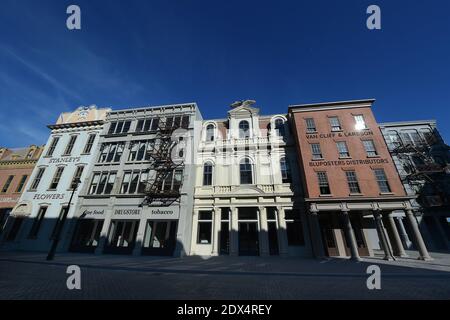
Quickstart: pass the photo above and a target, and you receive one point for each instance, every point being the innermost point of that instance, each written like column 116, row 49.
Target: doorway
column 122, row 236
column 160, row 238
column 328, row 237
column 248, row 239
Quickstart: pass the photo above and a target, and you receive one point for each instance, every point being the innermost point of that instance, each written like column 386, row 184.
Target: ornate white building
column 67, row 157
column 247, row 198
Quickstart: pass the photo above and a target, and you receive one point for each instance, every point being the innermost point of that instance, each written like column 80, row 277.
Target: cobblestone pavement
column 29, row 276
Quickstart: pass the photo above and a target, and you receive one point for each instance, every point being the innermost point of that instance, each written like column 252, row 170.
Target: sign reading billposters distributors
column 345, row 162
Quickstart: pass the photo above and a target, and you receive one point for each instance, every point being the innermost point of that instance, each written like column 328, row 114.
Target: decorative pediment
column 243, row 108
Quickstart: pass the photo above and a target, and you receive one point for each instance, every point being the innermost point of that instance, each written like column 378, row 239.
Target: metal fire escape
column 419, row 165
column 162, row 167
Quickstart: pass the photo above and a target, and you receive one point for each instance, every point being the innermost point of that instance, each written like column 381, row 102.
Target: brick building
column 16, row 166
column 350, row 181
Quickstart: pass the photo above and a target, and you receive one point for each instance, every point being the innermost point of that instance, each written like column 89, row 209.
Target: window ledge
column 345, row 158
column 386, row 193
column 326, row 195
column 371, row 157
column 340, row 130
column 311, row 132
column 356, row 195
column 318, row 159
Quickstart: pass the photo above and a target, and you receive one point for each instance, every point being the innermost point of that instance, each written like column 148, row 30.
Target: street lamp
column 51, row 253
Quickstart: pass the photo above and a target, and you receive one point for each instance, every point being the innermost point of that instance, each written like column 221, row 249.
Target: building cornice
column 351, row 104
column 76, row 124
column 407, row 123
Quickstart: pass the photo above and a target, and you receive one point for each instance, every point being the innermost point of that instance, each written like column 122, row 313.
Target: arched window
column 210, row 132
column 244, row 129
column 246, row 171
column 285, row 170
column 207, row 174
column 279, row 127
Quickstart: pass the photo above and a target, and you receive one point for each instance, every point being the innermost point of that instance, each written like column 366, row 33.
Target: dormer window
column 210, row 132
column 244, row 129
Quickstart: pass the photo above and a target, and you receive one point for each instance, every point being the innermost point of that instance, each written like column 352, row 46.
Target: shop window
column 204, row 227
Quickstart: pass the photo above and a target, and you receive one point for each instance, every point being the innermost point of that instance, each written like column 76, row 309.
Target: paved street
column 29, row 276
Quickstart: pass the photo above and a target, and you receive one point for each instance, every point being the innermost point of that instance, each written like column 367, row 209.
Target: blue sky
column 151, row 52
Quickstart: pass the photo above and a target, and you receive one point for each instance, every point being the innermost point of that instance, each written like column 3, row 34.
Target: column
column 217, row 217
column 316, row 234
column 104, row 233
column 398, row 245
column 382, row 235
column 282, row 233
column 194, row 232
column 417, row 237
column 234, row 241
column 350, row 236
column 263, row 232
column 403, row 234
column 140, row 237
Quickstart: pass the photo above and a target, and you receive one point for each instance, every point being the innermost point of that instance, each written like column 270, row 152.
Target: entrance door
column 16, row 224
column 328, row 237
column 273, row 238
column 248, row 239
column 224, row 242
column 356, row 222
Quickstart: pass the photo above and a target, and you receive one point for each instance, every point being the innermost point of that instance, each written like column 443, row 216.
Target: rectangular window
column 7, row 184
column 155, row 124
column 111, row 152
column 294, row 228
column 134, row 182
column 382, row 181
column 140, row 125
column 52, row 147
column 119, row 127
column 58, row 224
column 369, row 146
column 204, row 227
column 56, row 178
column 143, row 181
column 110, row 183
column 21, row 184
column 207, row 174
column 77, row 177
column 185, row 122
column 70, row 145
column 89, row 144
column 37, row 178
column 112, row 128
column 37, row 223
column 324, row 186
column 342, row 149
column 360, row 123
column 352, row 181
column 310, row 125
column 335, row 124
column 316, row 151
column 94, row 183
column 125, row 182
column 416, row 138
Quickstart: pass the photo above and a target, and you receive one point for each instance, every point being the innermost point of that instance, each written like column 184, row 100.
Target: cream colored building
column 246, row 178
